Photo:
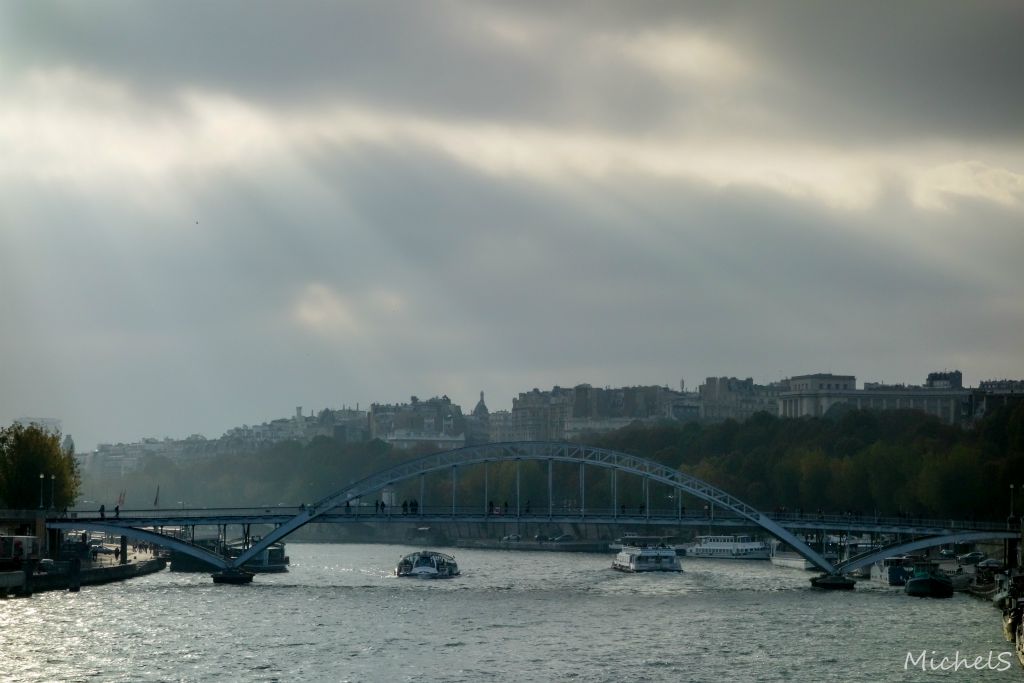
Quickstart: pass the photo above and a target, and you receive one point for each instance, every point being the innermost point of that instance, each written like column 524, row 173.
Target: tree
column 26, row 453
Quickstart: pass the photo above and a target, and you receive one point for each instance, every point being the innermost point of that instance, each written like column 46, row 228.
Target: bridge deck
column 277, row 516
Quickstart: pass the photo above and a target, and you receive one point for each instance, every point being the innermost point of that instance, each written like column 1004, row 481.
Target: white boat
column 728, row 548
column 659, row 558
column 427, row 564
column 784, row 556
column 637, row 541
column 780, row 557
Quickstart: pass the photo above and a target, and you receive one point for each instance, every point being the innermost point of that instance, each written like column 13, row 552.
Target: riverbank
column 23, row 584
column 550, row 546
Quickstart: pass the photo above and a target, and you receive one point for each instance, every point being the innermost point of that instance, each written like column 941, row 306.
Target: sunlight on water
column 339, row 614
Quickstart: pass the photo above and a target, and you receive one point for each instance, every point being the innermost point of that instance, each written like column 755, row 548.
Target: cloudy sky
column 211, row 213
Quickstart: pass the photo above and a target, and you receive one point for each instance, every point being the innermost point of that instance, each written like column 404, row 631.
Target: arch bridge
column 451, row 462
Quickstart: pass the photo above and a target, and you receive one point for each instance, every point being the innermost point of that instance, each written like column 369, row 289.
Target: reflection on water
column 339, row 614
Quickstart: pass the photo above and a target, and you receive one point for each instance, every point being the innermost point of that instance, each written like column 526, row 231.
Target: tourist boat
column 427, row 564
column 892, row 571
column 271, row 559
column 929, row 581
column 728, row 548
column 647, row 558
column 637, row 541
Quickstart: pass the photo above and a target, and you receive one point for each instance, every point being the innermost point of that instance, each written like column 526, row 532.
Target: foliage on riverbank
column 889, row 462
column 34, row 470
column 866, row 461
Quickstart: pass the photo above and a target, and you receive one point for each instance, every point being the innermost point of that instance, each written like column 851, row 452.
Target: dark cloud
column 228, row 289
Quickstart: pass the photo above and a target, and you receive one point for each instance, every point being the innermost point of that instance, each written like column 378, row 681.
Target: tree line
column 893, row 462
column 885, row 462
column 35, row 472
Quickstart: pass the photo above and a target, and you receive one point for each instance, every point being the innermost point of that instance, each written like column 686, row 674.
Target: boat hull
column 233, row 577
column 833, row 582
column 928, row 587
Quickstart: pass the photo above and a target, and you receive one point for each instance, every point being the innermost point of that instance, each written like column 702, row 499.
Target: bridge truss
column 327, row 509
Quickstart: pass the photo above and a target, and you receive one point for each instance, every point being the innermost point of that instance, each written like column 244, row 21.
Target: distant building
column 729, row 398
column 436, row 422
column 1002, row 387
column 478, row 423
column 115, row 460
column 993, row 393
column 815, row 395
column 563, row 413
column 500, row 427
column 540, row 415
column 945, row 380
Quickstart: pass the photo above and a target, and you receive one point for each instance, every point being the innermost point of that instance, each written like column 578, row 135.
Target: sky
column 214, row 212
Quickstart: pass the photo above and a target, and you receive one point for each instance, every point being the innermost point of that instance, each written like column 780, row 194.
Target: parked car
column 541, row 537
column 971, row 558
column 947, row 552
column 563, row 537
column 990, row 563
column 511, row 538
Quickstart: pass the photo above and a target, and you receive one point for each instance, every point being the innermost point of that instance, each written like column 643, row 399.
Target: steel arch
column 910, row 546
column 144, row 535
column 538, row 451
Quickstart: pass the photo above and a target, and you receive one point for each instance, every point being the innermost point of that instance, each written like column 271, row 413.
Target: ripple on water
column 339, row 615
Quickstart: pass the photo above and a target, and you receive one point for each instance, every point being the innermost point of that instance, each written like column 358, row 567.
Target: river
column 339, row 615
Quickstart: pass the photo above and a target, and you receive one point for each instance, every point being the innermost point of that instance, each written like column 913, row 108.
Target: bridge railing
column 838, row 521
column 632, row 512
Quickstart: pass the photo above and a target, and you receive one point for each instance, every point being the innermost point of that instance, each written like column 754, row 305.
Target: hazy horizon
column 211, row 214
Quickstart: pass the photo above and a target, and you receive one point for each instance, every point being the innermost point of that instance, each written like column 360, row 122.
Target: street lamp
column 41, row 477
column 53, row 483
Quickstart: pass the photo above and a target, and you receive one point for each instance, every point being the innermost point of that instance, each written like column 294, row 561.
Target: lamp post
column 1011, row 500
column 53, row 484
column 41, row 477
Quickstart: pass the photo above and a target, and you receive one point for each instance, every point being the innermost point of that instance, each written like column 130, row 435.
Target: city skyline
column 769, row 390
column 213, row 214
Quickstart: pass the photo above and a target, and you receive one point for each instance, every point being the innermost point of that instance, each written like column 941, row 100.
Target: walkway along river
column 512, row 616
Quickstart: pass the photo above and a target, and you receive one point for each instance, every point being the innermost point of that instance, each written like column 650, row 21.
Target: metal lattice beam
column 144, row 535
column 540, row 451
column 873, row 556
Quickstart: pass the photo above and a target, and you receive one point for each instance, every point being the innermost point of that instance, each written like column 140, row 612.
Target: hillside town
column 566, row 413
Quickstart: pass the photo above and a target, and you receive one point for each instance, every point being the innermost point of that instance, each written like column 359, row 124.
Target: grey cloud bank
column 211, row 214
